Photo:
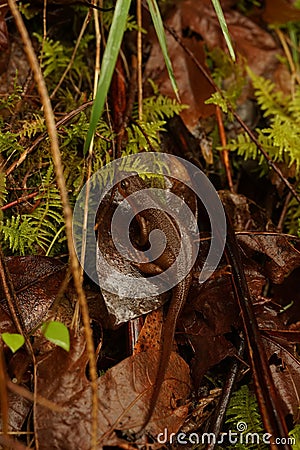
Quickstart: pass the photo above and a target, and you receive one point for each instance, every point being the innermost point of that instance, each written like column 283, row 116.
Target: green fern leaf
column 19, row 234
column 243, row 408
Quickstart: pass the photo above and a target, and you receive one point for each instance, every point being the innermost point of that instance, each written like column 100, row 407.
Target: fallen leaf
column 276, row 253
column 36, row 281
column 285, row 369
column 123, row 392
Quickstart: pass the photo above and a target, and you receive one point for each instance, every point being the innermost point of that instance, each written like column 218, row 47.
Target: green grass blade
column 159, row 28
column 108, row 65
column 224, row 28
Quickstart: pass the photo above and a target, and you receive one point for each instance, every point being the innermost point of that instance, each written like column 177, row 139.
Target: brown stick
column 19, row 200
column 3, row 394
column 225, row 152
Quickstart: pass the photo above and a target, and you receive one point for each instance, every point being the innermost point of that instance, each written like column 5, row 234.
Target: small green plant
column 29, row 232
column 13, row 340
column 55, row 332
column 243, row 417
column 224, row 69
column 281, row 138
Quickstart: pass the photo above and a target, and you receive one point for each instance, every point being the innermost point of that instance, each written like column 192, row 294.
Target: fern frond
column 48, row 216
column 3, row 191
column 281, row 139
column 218, row 99
column 271, row 101
column 19, row 233
column 9, row 143
column 33, row 126
column 285, row 136
column 160, row 107
column 55, row 55
column 144, row 136
column 243, row 407
column 35, row 231
column 10, row 100
column 294, row 106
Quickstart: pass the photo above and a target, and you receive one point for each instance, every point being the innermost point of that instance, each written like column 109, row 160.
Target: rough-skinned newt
column 157, row 219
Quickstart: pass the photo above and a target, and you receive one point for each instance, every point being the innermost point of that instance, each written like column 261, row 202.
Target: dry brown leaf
column 124, row 393
column 197, row 25
column 276, row 253
column 285, row 369
column 150, row 335
column 36, row 280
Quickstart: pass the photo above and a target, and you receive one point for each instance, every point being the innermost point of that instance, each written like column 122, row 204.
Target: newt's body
column 157, row 219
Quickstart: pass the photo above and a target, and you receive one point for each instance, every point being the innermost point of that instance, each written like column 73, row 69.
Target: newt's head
column 131, row 184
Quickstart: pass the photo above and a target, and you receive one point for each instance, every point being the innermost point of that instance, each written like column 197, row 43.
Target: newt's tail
column 179, row 294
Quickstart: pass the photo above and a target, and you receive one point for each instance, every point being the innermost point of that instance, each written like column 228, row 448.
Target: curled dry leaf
column 124, row 392
column 245, row 215
column 276, row 253
column 120, row 308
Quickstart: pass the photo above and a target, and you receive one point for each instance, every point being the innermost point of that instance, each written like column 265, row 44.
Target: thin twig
column 267, row 398
column 287, row 52
column 18, row 201
column 23, row 392
column 223, row 403
column 283, row 212
column 139, row 58
column 56, row 157
column 225, row 152
column 3, row 394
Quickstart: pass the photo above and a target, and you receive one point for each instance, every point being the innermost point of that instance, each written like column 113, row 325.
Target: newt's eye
column 124, row 184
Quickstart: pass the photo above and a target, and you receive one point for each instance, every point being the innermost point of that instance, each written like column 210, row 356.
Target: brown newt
column 157, row 219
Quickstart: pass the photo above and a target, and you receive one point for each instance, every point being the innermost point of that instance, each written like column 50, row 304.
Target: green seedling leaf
column 224, row 27
column 160, row 32
column 57, row 333
column 108, row 65
column 13, row 340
